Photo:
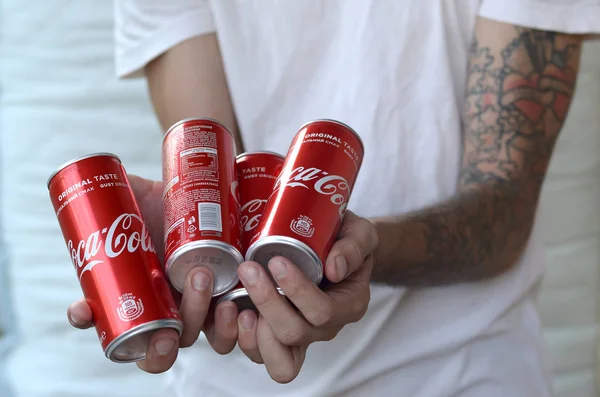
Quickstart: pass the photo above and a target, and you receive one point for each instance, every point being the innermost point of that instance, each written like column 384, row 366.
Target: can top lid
column 171, row 128
column 239, row 156
column 77, row 159
column 360, row 141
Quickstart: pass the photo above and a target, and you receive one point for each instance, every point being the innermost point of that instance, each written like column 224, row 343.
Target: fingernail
column 341, row 266
column 249, row 274
column 164, row 346
column 75, row 319
column 200, row 281
column 248, row 321
column 228, row 314
column 278, row 269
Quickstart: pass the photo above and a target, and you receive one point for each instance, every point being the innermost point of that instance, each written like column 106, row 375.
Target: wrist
column 400, row 243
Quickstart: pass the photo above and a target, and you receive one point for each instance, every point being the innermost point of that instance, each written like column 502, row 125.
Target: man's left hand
column 280, row 335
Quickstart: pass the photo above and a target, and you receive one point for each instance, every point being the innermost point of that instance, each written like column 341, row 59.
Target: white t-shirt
column 395, row 71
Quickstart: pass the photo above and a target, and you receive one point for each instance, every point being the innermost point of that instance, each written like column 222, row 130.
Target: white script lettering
column 334, row 186
column 120, row 236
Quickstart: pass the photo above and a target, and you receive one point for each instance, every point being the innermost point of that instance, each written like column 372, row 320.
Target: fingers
column 80, row 314
column 283, row 363
column 247, row 338
column 314, row 304
column 351, row 297
column 222, row 332
column 358, row 239
column 289, row 327
column 195, row 304
column 161, row 353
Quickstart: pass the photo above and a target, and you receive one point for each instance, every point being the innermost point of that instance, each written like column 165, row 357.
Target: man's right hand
column 220, row 327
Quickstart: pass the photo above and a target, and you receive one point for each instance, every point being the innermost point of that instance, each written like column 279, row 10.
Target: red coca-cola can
column 110, row 247
column 201, row 203
column 257, row 173
column 303, row 215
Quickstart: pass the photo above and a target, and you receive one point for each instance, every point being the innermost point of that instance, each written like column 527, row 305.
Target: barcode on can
column 210, row 217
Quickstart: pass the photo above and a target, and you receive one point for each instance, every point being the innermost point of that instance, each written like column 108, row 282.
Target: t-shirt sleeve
column 144, row 29
column 564, row 16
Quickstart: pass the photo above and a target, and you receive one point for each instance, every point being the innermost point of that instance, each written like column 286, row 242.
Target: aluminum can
column 115, row 260
column 257, row 173
column 304, row 213
column 201, row 203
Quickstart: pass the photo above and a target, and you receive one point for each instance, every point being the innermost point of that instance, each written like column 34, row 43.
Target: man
column 459, row 105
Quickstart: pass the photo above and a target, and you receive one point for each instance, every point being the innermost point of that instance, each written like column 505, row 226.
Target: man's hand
column 221, row 330
column 280, row 335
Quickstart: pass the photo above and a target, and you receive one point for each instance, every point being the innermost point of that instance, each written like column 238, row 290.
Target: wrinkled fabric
column 396, row 72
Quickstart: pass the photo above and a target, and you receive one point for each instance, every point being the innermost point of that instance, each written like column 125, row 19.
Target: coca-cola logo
column 334, row 186
column 128, row 233
column 251, row 213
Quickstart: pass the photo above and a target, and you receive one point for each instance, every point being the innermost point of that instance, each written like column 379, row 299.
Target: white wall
column 60, row 100
column 570, row 294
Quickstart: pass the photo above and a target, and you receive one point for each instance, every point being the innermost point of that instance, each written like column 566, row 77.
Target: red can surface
column 257, row 173
column 201, row 203
column 304, row 213
column 110, row 247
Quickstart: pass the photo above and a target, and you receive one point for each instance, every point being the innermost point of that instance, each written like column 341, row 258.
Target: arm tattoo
column 517, row 100
column 516, row 106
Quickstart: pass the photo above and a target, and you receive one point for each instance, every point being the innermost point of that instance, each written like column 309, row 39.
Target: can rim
column 171, row 128
column 233, row 295
column 360, row 141
column 172, row 323
column 216, row 244
column 78, row 159
column 240, row 293
column 239, row 156
column 251, row 251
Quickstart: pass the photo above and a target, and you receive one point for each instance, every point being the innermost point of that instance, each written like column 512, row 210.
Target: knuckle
column 360, row 313
column 356, row 253
column 360, row 307
column 293, row 289
column 321, row 317
column 261, row 298
column 293, row 336
column 330, row 335
column 374, row 237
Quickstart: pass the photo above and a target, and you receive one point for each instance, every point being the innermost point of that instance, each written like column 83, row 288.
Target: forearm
column 189, row 81
column 476, row 235
column 520, row 85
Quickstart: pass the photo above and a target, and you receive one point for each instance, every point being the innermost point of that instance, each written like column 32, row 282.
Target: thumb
column 357, row 240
